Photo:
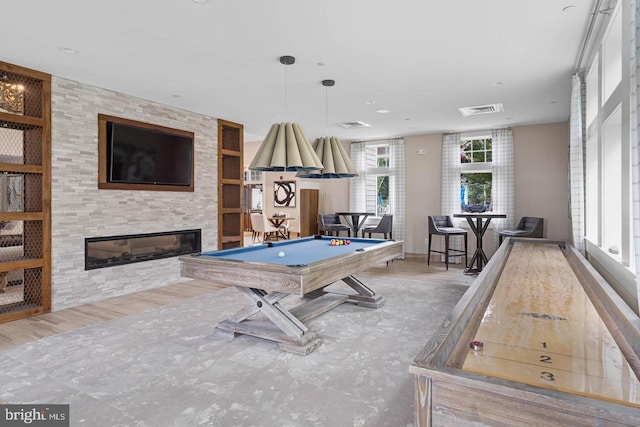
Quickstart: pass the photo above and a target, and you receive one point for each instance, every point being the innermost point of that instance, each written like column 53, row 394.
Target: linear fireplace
column 100, row 252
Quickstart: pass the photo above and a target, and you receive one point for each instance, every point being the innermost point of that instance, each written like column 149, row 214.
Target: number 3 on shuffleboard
column 547, row 376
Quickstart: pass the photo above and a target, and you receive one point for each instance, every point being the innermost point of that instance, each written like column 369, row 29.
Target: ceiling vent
column 351, row 125
column 481, row 109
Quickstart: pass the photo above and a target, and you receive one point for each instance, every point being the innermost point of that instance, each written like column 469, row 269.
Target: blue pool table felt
column 297, row 252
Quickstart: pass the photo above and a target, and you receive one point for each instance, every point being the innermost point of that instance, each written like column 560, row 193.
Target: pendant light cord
column 286, row 60
column 286, row 94
column 326, row 111
column 326, row 84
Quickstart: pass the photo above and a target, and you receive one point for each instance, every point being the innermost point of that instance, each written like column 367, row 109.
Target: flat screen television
column 136, row 155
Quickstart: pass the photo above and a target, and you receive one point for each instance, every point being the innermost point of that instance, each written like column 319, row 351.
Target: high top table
column 354, row 221
column 479, row 228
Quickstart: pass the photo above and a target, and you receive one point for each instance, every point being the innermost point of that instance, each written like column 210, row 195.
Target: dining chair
column 260, row 224
column 293, row 226
column 330, row 223
column 443, row 226
column 528, row 226
column 384, row 226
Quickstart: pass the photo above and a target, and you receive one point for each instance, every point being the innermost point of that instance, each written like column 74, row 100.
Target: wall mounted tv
column 142, row 156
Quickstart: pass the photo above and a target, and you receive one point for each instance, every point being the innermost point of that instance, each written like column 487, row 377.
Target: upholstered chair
column 443, row 226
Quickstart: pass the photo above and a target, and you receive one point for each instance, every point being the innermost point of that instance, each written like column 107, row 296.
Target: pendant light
column 334, row 158
column 285, row 149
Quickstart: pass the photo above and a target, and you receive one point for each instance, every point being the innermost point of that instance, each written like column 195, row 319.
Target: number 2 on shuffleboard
column 545, row 359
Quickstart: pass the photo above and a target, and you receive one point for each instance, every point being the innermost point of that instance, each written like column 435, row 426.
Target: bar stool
column 443, row 226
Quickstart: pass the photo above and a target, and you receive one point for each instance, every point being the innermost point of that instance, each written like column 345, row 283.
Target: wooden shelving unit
column 230, row 184
column 25, row 192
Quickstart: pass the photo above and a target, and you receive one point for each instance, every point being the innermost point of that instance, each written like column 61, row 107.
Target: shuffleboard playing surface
column 540, row 328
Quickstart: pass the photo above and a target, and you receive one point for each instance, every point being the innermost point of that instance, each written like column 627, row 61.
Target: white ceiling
column 420, row 59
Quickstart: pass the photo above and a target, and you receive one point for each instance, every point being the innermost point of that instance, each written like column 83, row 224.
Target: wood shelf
column 230, row 188
column 25, row 147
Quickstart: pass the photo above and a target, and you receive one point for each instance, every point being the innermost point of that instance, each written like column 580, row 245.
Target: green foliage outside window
column 475, row 151
column 383, row 195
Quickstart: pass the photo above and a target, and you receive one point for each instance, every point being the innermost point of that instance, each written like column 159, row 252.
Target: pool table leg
column 282, row 325
column 365, row 297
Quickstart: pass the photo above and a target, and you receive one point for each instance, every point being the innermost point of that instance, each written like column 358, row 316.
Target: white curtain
column 397, row 166
column 451, row 189
column 503, row 181
column 358, row 184
column 576, row 166
column 450, row 174
column 635, row 134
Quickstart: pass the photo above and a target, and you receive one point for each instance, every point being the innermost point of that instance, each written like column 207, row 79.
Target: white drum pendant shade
column 285, row 149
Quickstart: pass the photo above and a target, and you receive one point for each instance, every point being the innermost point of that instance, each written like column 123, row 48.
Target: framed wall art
column 284, row 194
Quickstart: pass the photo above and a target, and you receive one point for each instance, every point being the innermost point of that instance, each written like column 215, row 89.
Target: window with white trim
column 475, row 173
column 608, row 148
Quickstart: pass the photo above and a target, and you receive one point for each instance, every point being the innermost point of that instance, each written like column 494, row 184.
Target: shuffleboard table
column 266, row 274
column 540, row 338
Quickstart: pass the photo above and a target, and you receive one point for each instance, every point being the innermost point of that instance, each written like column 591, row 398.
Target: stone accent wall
column 80, row 210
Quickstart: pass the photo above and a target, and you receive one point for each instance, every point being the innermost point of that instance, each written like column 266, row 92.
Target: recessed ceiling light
column 320, row 64
column 383, row 111
column 407, row 118
column 67, row 50
column 199, row 1
column 496, row 84
column 554, row 102
column 370, row 102
column 175, row 95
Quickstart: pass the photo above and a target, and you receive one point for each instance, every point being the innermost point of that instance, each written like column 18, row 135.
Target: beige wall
column 541, row 186
column 423, row 181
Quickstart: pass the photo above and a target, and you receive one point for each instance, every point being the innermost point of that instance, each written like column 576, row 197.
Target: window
column 476, row 176
column 592, row 92
column 611, row 179
column 609, row 223
column 612, row 56
column 592, row 190
column 382, row 195
column 382, row 152
column 475, row 150
column 382, row 180
column 379, row 186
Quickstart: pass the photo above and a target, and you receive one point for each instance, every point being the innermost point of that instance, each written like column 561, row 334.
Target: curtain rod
column 478, row 131
column 379, row 140
column 587, row 36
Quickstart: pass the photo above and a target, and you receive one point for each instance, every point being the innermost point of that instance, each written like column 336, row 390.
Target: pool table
column 307, row 267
